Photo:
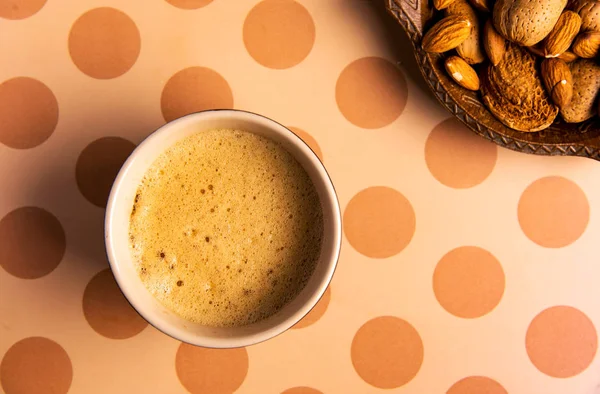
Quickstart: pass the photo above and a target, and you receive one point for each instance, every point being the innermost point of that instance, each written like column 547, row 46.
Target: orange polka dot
column 553, row 212
column 104, row 43
column 371, row 92
column 457, row 157
column 379, row 222
column 189, row 4
column 192, row 90
column 20, row 9
column 28, row 113
column 32, row 242
column 309, row 140
column 561, row 341
column 36, row 365
column 468, row 282
column 317, row 312
column 279, row 34
column 476, row 385
column 301, row 390
column 106, row 309
column 98, row 165
column 387, row 352
column 215, row 371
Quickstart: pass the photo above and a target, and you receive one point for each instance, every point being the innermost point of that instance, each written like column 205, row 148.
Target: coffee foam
column 226, row 228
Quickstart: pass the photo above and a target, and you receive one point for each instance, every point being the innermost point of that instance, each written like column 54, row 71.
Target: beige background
column 460, row 259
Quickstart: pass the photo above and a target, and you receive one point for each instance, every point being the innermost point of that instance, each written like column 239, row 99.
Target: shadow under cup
column 119, row 208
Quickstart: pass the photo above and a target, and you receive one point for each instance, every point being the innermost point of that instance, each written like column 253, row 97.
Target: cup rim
column 196, row 340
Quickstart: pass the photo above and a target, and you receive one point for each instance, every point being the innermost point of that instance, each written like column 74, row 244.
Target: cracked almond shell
column 514, row 93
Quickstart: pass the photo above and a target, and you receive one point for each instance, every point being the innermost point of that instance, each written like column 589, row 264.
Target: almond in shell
column 447, row 34
column 589, row 11
column 493, row 43
column 513, row 91
column 462, row 73
column 558, row 81
column 587, row 44
column 563, row 34
column 526, row 22
column 586, row 87
column 471, row 49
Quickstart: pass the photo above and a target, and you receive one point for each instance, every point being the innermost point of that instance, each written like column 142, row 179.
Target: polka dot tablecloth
column 465, row 268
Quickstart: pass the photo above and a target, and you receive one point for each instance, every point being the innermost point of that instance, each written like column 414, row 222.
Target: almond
column 563, row 34
column 587, row 44
column 481, row 5
column 462, row 73
column 562, row 94
column 555, row 71
column 471, row 49
column 558, row 81
column 447, row 34
column 441, row 4
column 493, row 43
column 568, row 56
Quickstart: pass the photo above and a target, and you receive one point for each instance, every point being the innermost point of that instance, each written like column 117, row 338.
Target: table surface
column 465, row 268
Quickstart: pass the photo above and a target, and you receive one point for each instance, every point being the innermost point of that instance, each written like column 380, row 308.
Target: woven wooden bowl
column 560, row 139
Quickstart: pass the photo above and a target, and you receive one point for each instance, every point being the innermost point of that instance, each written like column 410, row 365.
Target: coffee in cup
column 226, row 228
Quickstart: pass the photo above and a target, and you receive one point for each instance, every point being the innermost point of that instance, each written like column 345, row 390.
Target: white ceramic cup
column 117, row 228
